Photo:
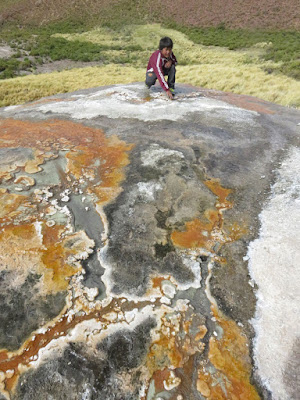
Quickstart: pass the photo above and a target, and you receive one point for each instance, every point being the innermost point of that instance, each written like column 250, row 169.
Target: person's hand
column 169, row 94
column 168, row 64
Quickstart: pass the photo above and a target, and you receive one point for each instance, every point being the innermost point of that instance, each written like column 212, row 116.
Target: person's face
column 166, row 52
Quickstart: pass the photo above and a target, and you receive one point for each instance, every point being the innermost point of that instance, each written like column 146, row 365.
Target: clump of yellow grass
column 33, row 87
column 241, row 72
column 242, row 79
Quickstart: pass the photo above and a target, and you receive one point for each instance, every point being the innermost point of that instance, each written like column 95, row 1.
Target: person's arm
column 157, row 67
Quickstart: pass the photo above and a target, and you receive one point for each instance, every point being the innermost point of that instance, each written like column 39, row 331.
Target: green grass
column 60, row 49
column 263, row 64
column 38, row 44
column 280, row 46
column 42, row 44
column 242, row 71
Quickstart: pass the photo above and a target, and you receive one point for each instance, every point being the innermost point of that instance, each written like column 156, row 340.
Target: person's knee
column 150, row 79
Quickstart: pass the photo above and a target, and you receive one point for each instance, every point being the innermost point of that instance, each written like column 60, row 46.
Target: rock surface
column 126, row 221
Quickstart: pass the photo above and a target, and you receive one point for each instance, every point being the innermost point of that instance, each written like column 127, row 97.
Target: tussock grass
column 237, row 79
column 241, row 79
column 33, row 87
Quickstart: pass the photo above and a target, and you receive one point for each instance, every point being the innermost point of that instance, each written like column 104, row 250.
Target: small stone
column 172, row 382
column 168, row 289
column 50, row 223
column 165, row 300
column 65, row 198
column 25, row 180
column 10, row 373
column 92, row 293
column 251, row 283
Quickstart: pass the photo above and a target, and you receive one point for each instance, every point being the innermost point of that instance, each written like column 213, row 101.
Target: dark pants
column 151, row 77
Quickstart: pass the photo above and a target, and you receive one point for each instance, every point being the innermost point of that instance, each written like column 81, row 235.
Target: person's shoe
column 172, row 91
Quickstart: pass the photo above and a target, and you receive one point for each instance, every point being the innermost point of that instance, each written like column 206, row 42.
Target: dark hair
column 165, row 42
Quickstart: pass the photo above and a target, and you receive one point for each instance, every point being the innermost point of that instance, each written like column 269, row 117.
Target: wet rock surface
column 23, row 310
column 125, row 225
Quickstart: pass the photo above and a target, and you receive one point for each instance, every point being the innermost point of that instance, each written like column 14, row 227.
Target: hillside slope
column 265, row 14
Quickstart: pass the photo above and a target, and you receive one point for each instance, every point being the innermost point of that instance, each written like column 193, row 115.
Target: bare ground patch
column 6, row 51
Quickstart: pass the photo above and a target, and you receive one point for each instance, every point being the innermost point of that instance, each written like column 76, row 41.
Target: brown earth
column 282, row 14
column 267, row 14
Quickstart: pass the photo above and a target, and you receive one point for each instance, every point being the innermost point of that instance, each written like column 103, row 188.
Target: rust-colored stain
column 206, row 232
column 174, row 350
column 90, row 154
column 23, row 250
column 55, row 254
column 245, row 102
column 107, row 176
column 221, row 192
column 95, row 165
column 10, row 361
column 230, row 356
column 159, row 377
column 166, row 349
column 9, row 205
column 157, row 281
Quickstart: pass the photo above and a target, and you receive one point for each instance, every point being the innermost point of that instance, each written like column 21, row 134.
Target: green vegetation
column 35, row 45
column 263, row 64
column 42, row 45
column 280, row 46
column 60, row 49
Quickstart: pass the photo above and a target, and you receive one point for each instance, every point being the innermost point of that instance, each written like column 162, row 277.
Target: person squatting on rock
column 162, row 62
